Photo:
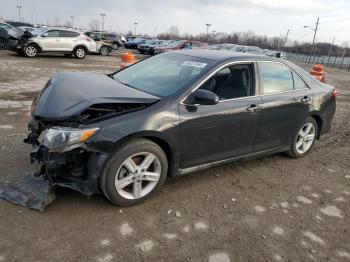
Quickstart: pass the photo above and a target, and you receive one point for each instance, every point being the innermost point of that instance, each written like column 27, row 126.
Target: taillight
column 334, row 93
column 88, row 39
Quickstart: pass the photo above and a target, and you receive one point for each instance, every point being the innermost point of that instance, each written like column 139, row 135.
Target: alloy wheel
column 104, row 51
column 80, row 53
column 138, row 175
column 305, row 139
column 31, row 51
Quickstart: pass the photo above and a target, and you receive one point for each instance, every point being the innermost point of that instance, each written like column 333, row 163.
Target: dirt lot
column 270, row 209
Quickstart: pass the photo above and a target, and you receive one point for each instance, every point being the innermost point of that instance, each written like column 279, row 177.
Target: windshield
column 163, row 75
column 38, row 31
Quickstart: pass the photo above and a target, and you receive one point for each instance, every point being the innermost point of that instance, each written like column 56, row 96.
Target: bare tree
column 68, row 24
column 94, row 25
column 56, row 20
column 174, row 31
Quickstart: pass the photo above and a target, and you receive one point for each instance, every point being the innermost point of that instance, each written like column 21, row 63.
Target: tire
column 79, row 52
column 142, row 52
column 302, row 143
column 31, row 51
column 3, row 43
column 115, row 46
column 104, row 50
column 149, row 183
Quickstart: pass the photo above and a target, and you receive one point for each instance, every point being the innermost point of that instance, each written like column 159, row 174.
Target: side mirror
column 45, row 34
column 203, row 97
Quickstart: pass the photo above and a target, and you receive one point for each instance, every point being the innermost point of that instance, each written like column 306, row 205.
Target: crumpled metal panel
column 32, row 192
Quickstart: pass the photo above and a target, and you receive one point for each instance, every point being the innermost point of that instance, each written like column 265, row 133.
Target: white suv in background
column 58, row 40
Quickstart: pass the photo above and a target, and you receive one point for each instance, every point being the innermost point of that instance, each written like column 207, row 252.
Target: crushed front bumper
column 78, row 169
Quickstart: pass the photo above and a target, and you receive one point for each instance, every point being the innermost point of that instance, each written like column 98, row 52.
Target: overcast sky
column 266, row 17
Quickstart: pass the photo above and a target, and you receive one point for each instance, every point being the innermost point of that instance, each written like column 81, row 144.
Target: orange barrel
column 128, row 59
column 317, row 72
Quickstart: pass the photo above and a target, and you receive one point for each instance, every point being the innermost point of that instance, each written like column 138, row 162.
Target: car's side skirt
column 229, row 160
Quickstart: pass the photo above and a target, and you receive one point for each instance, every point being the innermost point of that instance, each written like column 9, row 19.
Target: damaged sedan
column 123, row 134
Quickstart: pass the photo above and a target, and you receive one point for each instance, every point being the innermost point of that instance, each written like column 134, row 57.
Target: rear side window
column 69, row 34
column 298, row 82
column 53, row 33
column 275, row 77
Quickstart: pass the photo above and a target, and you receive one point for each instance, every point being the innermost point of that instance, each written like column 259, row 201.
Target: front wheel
column 134, row 173
column 115, row 46
column 304, row 139
column 31, row 51
column 80, row 52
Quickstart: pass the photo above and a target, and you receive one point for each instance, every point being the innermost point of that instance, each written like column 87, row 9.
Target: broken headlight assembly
column 62, row 139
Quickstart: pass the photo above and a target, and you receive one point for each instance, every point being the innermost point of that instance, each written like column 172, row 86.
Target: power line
column 336, row 21
column 342, row 13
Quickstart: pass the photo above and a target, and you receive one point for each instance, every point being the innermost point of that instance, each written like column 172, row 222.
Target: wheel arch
column 157, row 138
column 83, row 46
column 319, row 122
column 36, row 44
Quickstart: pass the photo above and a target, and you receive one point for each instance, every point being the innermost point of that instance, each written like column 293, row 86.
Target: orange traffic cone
column 128, row 59
column 317, row 72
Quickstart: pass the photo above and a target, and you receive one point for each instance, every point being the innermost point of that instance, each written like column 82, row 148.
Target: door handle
column 305, row 99
column 253, row 108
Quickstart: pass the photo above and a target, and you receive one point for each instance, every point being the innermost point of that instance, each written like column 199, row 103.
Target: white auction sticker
column 194, row 64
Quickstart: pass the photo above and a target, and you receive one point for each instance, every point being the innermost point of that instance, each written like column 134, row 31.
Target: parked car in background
column 133, row 44
column 251, row 50
column 4, row 27
column 179, row 112
column 57, row 40
column 110, row 38
column 180, row 44
column 148, row 46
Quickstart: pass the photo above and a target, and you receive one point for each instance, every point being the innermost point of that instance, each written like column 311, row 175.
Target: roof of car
column 222, row 55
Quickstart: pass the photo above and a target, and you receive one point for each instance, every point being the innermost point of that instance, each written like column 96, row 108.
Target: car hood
column 69, row 94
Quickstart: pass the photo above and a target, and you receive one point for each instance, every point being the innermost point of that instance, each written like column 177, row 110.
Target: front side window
column 275, row 77
column 163, row 75
column 231, row 82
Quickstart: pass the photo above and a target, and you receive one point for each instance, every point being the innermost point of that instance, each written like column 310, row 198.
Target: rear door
column 286, row 103
column 216, row 132
column 69, row 40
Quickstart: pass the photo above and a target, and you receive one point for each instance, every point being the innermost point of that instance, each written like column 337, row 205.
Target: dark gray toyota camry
column 122, row 134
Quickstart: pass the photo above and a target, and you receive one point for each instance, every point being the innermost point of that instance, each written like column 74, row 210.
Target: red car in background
column 180, row 44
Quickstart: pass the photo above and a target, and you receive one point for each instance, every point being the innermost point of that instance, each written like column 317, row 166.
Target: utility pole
column 19, row 12
column 103, row 21
column 72, row 17
column 208, row 26
column 135, row 24
column 313, row 40
column 330, row 50
column 285, row 40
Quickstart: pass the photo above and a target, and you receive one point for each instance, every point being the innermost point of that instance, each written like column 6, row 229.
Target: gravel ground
column 270, row 209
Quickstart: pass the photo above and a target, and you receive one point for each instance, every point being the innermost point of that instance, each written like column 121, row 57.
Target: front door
column 217, row 132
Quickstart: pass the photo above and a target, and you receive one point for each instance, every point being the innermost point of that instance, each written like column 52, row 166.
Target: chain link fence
column 340, row 62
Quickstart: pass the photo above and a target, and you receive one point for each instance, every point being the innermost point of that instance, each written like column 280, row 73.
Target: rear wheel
column 134, row 173
column 104, row 50
column 304, row 139
column 80, row 52
column 31, row 51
